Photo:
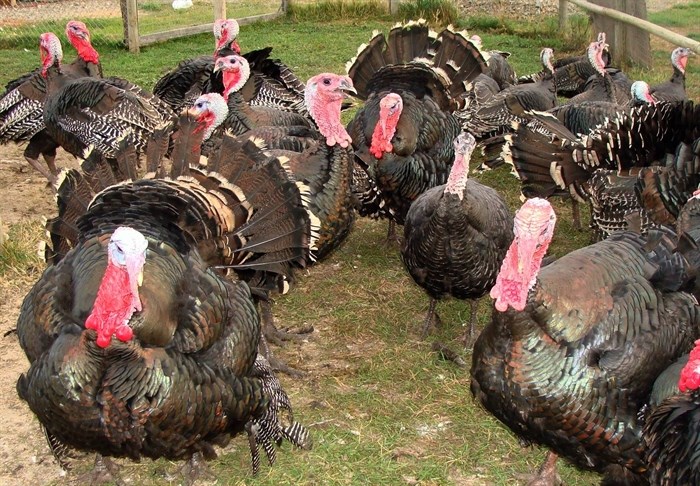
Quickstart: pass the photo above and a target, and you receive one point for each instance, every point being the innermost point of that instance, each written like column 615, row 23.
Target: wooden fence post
column 219, row 9
column 132, row 25
column 563, row 15
column 393, row 7
column 285, row 6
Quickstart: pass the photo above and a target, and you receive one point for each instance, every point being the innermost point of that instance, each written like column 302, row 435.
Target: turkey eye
column 326, row 81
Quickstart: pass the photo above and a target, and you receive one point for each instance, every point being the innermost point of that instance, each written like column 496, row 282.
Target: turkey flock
column 151, row 332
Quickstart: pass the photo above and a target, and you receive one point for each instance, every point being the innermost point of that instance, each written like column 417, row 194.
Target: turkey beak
column 218, row 66
column 346, row 86
column 526, row 252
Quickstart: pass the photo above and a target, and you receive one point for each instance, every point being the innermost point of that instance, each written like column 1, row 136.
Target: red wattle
column 113, row 307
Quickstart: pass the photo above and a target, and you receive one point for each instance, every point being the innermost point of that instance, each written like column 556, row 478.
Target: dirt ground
column 24, row 455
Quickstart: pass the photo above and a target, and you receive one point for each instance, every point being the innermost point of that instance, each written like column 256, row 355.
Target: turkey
column 320, row 161
column 274, row 83
column 674, row 88
column 193, row 77
column 507, row 106
column 93, row 112
column 643, row 197
column 558, row 162
column 573, row 349
column 670, row 431
column 456, row 236
column 142, row 335
column 600, row 86
column 412, row 83
column 571, row 73
column 243, row 116
column 21, row 107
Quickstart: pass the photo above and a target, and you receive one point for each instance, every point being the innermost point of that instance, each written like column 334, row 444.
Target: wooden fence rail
column 645, row 25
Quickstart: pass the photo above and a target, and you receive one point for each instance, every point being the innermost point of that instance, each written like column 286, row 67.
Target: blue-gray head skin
column 679, row 58
column 641, row 94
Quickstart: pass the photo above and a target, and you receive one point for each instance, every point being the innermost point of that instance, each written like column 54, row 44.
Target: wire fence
column 22, row 21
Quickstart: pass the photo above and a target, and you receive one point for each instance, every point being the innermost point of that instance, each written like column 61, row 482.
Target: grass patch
column 19, row 254
column 336, row 10
column 382, row 408
column 151, row 6
column 437, row 12
column 683, row 16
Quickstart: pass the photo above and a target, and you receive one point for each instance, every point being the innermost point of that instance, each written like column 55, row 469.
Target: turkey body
column 181, row 372
column 184, row 384
column 455, row 247
column 422, row 150
column 572, row 370
column 412, row 84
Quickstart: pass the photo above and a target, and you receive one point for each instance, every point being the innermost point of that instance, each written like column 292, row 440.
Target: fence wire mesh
column 23, row 21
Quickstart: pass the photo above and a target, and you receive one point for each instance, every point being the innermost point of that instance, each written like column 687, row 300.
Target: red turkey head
column 51, row 51
column 323, row 96
column 118, row 296
column 464, row 145
column 690, row 374
column 236, row 72
column 533, row 229
column 390, row 108
column 226, row 31
column 210, row 110
column 79, row 37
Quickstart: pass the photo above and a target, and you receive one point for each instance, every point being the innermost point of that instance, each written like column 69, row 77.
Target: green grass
column 19, row 254
column 680, row 16
column 382, row 408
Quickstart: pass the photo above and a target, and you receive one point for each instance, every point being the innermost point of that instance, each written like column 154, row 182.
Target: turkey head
column 324, row 96
column 390, row 108
column 118, row 296
column 533, row 227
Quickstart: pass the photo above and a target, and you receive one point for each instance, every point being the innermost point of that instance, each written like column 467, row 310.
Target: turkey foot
column 547, row 473
column 392, row 237
column 576, row 214
column 43, row 170
column 196, row 468
column 469, row 335
column 275, row 363
column 276, row 336
column 105, row 471
column 431, row 318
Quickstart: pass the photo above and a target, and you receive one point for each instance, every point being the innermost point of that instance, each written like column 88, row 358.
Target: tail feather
column 277, row 423
column 460, row 59
column 407, row 42
column 188, row 141
column 414, row 58
column 545, row 167
column 369, row 60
